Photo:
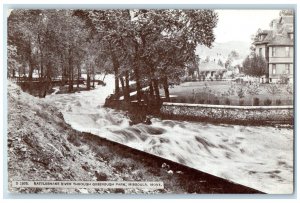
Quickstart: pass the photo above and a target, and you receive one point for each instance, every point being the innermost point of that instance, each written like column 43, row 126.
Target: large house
column 277, row 47
column 210, row 70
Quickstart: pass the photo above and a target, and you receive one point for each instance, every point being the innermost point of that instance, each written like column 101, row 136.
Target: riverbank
column 41, row 146
column 213, row 148
column 238, row 115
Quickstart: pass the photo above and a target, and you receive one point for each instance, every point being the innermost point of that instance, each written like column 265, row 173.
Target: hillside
column 41, row 146
column 224, row 49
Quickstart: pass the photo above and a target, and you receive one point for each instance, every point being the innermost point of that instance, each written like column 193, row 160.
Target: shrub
column 174, row 100
column 201, row 101
column 119, row 164
column 191, row 100
column 182, row 100
column 241, row 102
column 217, row 102
column 256, row 101
column 227, row 101
column 101, row 176
column 208, row 101
column 267, row 102
column 278, row 102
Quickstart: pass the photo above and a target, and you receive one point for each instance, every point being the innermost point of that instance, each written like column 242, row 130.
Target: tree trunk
column 151, row 90
column 78, row 75
column 30, row 69
column 138, row 84
column 122, row 84
column 62, row 67
column 93, row 68
column 70, row 71
column 104, row 77
column 166, row 88
column 116, row 66
column 137, row 73
column 127, row 87
column 41, row 56
column 42, row 68
column 88, row 81
column 156, row 90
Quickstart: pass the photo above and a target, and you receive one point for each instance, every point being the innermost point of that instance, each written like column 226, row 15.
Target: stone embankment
column 251, row 115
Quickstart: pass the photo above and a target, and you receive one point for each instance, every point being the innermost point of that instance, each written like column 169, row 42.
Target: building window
column 273, row 69
column 287, row 68
column 260, row 51
column 273, row 51
column 287, row 51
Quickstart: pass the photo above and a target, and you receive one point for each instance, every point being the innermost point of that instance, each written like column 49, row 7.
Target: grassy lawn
column 212, row 92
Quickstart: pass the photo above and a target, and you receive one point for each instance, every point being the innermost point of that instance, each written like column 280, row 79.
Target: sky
column 239, row 25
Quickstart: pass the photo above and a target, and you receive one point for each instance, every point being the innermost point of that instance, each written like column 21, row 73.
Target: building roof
column 279, row 33
column 287, row 19
column 210, row 66
column 268, row 36
column 264, row 32
column 281, row 40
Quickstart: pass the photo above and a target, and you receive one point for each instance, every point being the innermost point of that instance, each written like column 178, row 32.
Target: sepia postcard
column 150, row 101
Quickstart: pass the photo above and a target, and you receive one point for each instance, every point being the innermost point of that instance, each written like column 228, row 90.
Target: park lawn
column 184, row 93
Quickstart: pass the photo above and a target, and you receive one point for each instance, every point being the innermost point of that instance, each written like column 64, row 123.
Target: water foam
column 258, row 157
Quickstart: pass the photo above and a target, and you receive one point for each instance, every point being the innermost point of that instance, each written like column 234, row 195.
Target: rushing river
column 258, row 157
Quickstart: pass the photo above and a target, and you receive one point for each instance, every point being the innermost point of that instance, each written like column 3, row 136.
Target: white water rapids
column 258, row 157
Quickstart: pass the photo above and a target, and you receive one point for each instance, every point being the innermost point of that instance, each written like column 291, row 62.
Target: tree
column 115, row 31
column 173, row 46
column 273, row 89
column 233, row 54
column 253, row 89
column 49, row 41
column 157, row 44
column 290, row 89
column 13, row 64
column 207, row 59
column 241, row 92
column 22, row 35
column 284, row 78
column 153, row 47
column 228, row 63
column 220, row 63
column 255, row 66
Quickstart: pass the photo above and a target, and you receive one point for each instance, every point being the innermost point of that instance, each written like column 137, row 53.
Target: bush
column 278, row 102
column 267, row 102
column 101, row 176
column 174, row 100
column 201, row 101
column 182, row 100
column 241, row 102
column 191, row 100
column 217, row 102
column 256, row 101
column 227, row 101
column 208, row 101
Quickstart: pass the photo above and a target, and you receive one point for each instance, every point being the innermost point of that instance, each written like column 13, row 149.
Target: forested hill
column 242, row 48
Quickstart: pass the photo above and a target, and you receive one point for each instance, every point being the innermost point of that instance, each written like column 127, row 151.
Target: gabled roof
column 281, row 40
column 267, row 38
column 210, row 66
